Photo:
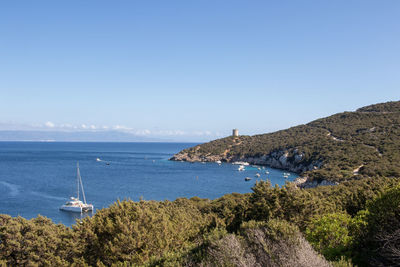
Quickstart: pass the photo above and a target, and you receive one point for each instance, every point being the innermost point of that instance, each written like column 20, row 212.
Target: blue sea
column 38, row 177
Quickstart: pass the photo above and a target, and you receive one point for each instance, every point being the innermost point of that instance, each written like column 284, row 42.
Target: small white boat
column 76, row 205
column 247, row 179
column 98, row 159
column 257, row 175
column 267, row 172
column 218, row 161
column 241, row 163
column 241, row 168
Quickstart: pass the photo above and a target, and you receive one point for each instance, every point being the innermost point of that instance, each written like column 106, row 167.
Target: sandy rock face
column 282, row 159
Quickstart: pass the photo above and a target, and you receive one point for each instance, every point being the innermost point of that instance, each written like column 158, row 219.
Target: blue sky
column 193, row 70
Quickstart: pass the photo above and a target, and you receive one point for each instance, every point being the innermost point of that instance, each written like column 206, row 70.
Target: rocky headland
column 327, row 151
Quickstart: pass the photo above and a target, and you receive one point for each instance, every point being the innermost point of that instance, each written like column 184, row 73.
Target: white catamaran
column 75, row 205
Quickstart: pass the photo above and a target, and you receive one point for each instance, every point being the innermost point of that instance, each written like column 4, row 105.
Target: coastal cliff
column 281, row 159
column 344, row 146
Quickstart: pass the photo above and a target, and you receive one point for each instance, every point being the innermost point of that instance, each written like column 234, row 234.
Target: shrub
column 330, row 234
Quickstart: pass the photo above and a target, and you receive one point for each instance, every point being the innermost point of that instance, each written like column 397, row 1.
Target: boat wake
column 43, row 195
column 13, row 188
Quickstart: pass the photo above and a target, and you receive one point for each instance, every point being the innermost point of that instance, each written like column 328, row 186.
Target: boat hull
column 85, row 208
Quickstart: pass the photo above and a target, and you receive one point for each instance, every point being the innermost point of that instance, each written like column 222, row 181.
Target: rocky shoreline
column 292, row 161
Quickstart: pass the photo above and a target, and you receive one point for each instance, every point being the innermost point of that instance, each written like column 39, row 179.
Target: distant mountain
column 80, row 136
column 343, row 146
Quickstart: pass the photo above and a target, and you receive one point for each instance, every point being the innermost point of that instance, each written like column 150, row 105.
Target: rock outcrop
column 290, row 160
column 283, row 159
column 305, row 182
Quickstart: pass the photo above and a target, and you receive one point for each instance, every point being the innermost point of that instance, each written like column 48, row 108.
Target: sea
column 38, row 177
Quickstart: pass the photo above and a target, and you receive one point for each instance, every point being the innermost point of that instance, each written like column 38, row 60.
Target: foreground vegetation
column 356, row 222
column 364, row 143
column 347, row 224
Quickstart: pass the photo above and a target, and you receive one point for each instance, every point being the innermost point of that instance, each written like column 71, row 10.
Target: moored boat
column 74, row 204
column 241, row 163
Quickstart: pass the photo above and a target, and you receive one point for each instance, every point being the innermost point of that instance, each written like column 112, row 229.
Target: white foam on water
column 13, row 188
column 44, row 195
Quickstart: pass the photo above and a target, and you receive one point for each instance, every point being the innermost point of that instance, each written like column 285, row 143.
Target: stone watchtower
column 235, row 132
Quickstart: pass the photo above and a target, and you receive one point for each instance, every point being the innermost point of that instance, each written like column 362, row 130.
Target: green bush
column 139, row 232
column 338, row 220
column 330, row 234
column 380, row 243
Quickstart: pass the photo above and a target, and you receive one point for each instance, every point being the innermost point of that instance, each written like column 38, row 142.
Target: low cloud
column 142, row 132
column 162, row 134
column 49, row 124
column 121, row 127
column 202, row 133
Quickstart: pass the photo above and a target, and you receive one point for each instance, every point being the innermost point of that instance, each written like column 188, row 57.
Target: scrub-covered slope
column 343, row 146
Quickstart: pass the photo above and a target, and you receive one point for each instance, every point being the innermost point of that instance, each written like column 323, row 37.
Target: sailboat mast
column 83, row 192
column 77, row 178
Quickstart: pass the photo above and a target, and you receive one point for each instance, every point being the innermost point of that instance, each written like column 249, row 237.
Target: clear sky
column 193, row 70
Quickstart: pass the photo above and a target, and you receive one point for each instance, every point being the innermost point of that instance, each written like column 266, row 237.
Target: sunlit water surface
column 38, row 177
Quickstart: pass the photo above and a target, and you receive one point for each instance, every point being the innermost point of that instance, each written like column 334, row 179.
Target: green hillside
column 355, row 222
column 343, row 146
